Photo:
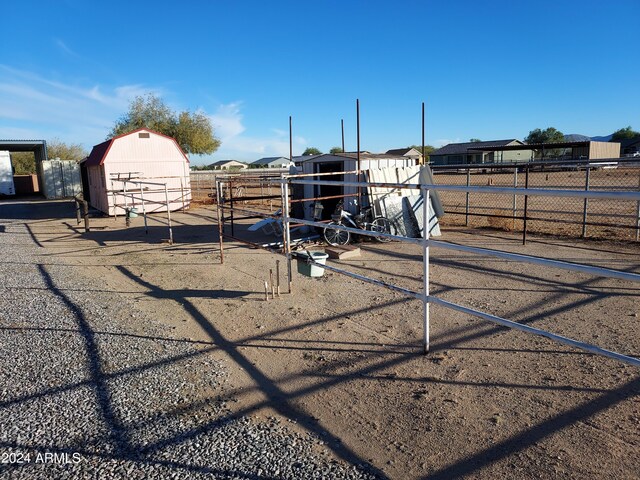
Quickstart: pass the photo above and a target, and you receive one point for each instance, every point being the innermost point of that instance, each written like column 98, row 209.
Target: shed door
column 329, row 190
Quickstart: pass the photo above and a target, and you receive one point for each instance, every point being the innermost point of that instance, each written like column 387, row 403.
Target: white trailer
column 6, row 174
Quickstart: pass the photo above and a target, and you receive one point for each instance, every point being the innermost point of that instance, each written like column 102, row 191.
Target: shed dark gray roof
column 463, row 148
column 38, row 147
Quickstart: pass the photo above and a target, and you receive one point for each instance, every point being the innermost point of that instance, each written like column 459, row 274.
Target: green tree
column 549, row 135
column 312, row 151
column 24, row 163
column 193, row 131
column 336, row 150
column 624, row 134
column 474, row 140
column 65, row 151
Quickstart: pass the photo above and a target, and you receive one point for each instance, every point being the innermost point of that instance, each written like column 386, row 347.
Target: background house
column 228, row 164
column 630, row 147
column 272, row 162
column 144, row 155
column 480, row 152
column 407, row 152
column 567, row 150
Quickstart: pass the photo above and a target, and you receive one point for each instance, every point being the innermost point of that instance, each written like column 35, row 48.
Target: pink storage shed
column 144, row 155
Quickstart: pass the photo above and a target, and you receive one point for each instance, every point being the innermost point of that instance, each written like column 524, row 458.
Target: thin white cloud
column 229, row 127
column 70, row 111
column 32, row 106
column 65, row 48
column 227, row 121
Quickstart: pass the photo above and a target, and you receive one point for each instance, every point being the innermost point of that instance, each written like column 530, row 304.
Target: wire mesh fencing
column 595, row 218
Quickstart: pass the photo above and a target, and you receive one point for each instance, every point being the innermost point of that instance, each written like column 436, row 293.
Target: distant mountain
column 606, row 138
column 575, row 137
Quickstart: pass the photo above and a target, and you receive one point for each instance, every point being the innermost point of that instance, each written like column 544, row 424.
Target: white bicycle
column 364, row 221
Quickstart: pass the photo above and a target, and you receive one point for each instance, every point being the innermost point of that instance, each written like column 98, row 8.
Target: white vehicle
column 6, row 174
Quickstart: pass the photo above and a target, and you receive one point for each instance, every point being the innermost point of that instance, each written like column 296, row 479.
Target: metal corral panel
column 61, row 178
column 151, row 157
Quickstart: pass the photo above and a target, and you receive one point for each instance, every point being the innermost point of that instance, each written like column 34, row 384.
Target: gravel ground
column 86, row 395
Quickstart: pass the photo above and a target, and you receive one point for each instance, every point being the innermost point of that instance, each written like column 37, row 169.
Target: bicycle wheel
column 335, row 237
column 381, row 225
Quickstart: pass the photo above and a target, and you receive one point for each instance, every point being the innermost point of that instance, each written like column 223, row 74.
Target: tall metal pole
column 358, row 150
column 290, row 140
column 342, row 128
column 425, row 267
column 422, row 161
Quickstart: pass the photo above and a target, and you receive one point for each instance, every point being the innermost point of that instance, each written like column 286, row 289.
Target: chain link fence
column 610, row 219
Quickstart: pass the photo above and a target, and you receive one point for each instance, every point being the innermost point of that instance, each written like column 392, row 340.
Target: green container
column 132, row 212
column 309, row 269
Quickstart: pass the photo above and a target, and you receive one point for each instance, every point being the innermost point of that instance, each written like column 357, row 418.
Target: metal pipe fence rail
column 425, row 296
column 232, row 190
column 225, row 199
column 203, row 182
column 137, row 192
column 599, row 218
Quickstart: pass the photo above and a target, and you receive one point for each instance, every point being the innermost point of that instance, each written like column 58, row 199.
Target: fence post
column 231, row 205
column 144, row 211
column 220, row 220
column 286, row 225
column 526, row 205
column 586, row 202
column 182, row 194
column 515, row 197
column 466, row 208
column 166, row 197
column 85, row 206
column 638, row 216
column 77, row 209
column 115, row 199
column 425, row 267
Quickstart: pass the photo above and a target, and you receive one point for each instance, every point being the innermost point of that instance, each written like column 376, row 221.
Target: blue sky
column 485, row 69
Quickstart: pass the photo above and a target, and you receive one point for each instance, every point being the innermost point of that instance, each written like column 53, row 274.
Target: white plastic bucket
column 309, row 269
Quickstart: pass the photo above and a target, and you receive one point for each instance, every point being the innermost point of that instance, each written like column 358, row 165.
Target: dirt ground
column 342, row 359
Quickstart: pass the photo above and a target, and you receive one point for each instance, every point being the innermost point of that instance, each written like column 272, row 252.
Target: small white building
column 144, row 155
column 272, row 162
